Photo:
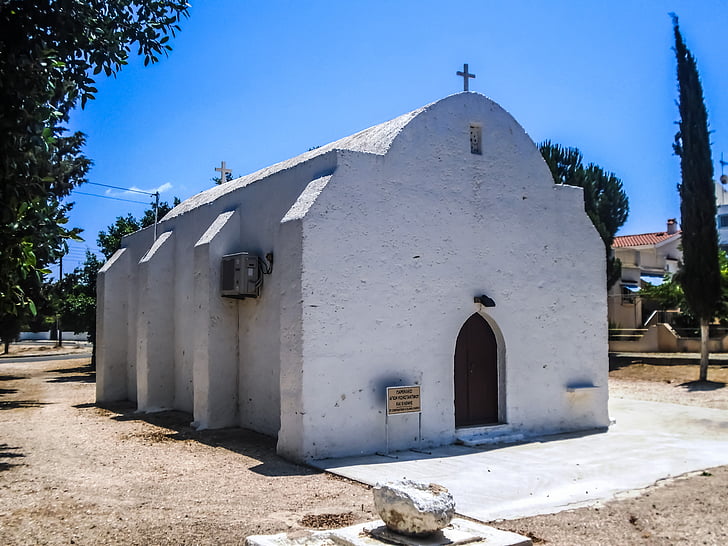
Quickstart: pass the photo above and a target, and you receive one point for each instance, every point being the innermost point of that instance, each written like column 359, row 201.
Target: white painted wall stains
column 381, row 242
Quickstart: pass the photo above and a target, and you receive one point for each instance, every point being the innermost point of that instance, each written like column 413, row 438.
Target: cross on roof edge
column 466, row 76
column 223, row 172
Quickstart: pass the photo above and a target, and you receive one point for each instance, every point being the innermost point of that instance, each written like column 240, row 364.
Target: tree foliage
column 43, row 315
column 667, row 295
column 670, row 295
column 9, row 330
column 49, row 51
column 218, row 179
column 73, row 297
column 109, row 240
column 699, row 275
column 605, row 201
column 32, row 216
column 76, row 294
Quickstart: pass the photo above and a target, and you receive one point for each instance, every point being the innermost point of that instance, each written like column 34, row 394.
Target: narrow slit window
column 476, row 139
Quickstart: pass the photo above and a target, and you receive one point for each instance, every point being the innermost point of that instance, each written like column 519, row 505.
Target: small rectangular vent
column 476, row 139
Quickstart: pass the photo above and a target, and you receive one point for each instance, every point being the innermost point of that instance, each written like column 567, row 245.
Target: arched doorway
column 476, row 374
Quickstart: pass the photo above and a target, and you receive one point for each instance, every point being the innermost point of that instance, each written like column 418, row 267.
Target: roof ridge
column 649, row 233
column 376, row 139
column 644, row 239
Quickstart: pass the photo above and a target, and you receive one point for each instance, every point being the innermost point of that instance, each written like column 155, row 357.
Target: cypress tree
column 700, row 272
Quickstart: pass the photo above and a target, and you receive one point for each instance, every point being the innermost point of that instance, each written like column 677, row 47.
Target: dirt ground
column 73, row 473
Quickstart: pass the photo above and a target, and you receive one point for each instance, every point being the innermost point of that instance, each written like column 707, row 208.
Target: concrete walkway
column 650, row 441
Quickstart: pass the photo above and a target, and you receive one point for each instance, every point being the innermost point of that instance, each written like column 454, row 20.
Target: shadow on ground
column 618, row 362
column 17, row 404
column 703, row 386
column 175, row 426
column 7, row 452
column 12, row 377
column 83, row 374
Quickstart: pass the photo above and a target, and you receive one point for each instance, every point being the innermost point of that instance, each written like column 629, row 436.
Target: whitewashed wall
column 377, row 259
column 394, row 250
column 255, row 339
column 116, row 319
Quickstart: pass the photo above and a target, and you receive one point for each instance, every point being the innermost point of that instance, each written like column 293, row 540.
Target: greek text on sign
column 403, row 400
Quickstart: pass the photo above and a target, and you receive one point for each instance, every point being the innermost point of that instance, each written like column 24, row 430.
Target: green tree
column 667, row 295
column 37, row 319
column 9, row 330
column 49, row 51
column 45, row 317
column 147, row 218
column 76, row 296
column 34, row 234
column 670, row 295
column 218, row 180
column 605, row 201
column 699, row 275
column 32, row 217
column 109, row 240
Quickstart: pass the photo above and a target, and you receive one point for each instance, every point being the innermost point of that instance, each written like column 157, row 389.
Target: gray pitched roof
column 375, row 140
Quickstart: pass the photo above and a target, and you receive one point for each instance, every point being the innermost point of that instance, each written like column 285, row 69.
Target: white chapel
column 431, row 251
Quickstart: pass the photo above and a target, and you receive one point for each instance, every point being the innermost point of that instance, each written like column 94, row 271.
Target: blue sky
column 257, row 82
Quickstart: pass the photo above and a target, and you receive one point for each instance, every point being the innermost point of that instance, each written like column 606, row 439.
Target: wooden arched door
column 476, row 374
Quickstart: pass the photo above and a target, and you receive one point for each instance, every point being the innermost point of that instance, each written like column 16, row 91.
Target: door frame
column 501, row 370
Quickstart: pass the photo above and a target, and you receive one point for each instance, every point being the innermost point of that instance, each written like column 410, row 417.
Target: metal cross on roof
column 223, row 172
column 466, row 76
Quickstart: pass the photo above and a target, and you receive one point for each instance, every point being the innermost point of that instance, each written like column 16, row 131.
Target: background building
column 646, row 257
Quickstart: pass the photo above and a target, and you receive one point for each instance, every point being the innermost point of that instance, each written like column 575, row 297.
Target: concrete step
column 495, row 434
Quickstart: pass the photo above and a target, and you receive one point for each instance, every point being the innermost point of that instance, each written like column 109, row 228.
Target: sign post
column 405, row 399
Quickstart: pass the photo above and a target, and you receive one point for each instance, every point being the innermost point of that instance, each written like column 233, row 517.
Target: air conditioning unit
column 240, row 276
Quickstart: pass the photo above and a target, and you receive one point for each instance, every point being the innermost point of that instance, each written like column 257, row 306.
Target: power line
column 80, row 257
column 109, row 197
column 123, row 189
column 79, row 247
column 80, row 254
column 155, row 195
column 82, row 245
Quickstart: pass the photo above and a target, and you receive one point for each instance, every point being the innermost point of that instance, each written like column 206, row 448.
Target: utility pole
column 156, row 212
column 59, row 327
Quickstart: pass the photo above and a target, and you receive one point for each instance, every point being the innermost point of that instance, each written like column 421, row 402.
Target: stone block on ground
column 412, row 508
